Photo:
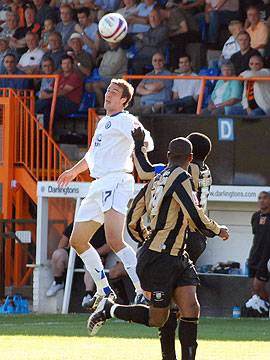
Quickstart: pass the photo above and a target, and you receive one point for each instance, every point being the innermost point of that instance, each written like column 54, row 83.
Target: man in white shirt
column 30, row 61
column 185, row 92
column 231, row 46
column 110, row 163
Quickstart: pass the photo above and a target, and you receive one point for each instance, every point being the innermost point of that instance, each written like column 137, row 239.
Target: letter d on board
column 225, row 129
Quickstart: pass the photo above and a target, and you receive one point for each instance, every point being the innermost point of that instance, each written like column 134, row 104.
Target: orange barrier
column 56, row 78
column 202, row 78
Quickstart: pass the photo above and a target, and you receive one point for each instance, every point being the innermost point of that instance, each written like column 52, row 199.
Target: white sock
column 128, row 257
column 112, row 310
column 95, row 267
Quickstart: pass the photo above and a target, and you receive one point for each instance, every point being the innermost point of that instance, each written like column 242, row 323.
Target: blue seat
column 88, row 101
column 209, row 85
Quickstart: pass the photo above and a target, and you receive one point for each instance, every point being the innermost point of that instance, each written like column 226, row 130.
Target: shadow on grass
column 74, row 325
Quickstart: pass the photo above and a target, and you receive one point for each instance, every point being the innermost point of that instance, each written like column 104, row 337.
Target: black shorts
column 260, row 274
column 196, row 244
column 161, row 274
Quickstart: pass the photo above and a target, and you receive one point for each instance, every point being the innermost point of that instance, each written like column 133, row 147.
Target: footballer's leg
column 114, row 228
column 186, row 299
column 167, row 336
column 80, row 240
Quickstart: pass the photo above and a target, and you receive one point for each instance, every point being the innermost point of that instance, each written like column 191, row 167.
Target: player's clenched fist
column 224, row 233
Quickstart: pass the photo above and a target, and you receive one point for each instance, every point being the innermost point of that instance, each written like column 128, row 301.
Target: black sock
column 136, row 313
column 89, row 292
column 167, row 337
column 58, row 279
column 188, row 337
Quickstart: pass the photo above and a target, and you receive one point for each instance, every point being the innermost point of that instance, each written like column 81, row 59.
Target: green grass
column 55, row 337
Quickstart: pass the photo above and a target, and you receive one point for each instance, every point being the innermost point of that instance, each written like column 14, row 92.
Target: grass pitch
column 64, row 337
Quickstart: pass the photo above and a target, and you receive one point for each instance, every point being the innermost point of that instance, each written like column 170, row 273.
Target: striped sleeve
column 135, row 225
column 145, row 169
column 196, row 217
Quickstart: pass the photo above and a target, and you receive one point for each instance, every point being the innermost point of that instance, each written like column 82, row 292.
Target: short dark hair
column 267, row 193
column 10, row 54
column 179, row 149
column 253, row 6
column 127, row 88
column 83, row 10
column 243, row 32
column 185, row 56
column 258, row 56
column 202, row 145
column 47, row 58
column 66, row 57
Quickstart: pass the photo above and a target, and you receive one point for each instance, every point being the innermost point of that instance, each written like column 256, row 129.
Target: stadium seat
column 88, row 101
column 209, row 85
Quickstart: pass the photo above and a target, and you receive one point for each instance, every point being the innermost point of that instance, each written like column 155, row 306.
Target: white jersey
column 112, row 145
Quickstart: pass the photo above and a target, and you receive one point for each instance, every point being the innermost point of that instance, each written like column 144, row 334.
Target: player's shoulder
column 176, row 174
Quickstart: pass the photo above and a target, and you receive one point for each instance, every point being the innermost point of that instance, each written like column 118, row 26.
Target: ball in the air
column 113, row 27
column 268, row 265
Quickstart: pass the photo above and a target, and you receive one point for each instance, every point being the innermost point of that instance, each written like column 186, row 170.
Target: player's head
column 180, row 152
column 264, row 200
column 118, row 95
column 201, row 145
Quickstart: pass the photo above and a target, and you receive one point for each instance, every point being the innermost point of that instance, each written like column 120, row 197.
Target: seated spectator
column 185, row 92
column 152, row 91
column 193, row 7
column 4, row 9
column 66, row 26
column 83, row 61
column 68, row 97
column 44, row 11
column 18, row 41
column 106, row 6
column 226, row 93
column 10, row 26
column 219, row 13
column 30, row 61
column 240, row 59
column 56, row 51
column 232, row 46
column 128, row 10
column 256, row 95
column 47, row 68
column 113, row 65
column 138, row 22
column 150, row 42
column 4, row 50
column 49, row 28
column 10, row 68
column 258, row 31
column 89, row 31
column 182, row 30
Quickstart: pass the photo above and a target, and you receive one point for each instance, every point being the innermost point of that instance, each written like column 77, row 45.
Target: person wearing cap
column 83, row 61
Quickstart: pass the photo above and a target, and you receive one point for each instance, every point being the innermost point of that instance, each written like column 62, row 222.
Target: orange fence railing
column 202, row 78
column 56, row 78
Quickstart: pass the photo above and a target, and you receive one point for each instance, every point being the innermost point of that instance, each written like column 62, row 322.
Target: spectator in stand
column 241, row 58
column 56, row 51
column 10, row 68
column 183, row 29
column 48, row 29
column 89, row 31
column 129, row 9
column 152, row 91
column 193, row 7
column 47, row 68
column 185, row 92
column 83, row 62
column 150, row 42
column 113, row 65
column 218, row 13
column 232, row 46
column 226, row 93
column 11, row 24
column 138, row 22
column 256, row 95
column 4, row 50
column 106, row 6
column 258, row 31
column 30, row 61
column 68, row 97
column 18, row 40
column 44, row 11
column 4, row 9
column 66, row 26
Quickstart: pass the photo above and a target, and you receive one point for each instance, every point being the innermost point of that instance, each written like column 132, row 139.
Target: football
column 113, row 27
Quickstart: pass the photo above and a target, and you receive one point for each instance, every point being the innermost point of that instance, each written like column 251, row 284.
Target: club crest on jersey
column 108, row 125
column 158, row 296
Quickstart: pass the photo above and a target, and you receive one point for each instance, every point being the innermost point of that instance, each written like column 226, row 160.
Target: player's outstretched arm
column 198, row 220
column 67, row 176
column 145, row 169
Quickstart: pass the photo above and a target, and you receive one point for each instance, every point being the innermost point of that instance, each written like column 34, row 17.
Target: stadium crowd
column 164, row 37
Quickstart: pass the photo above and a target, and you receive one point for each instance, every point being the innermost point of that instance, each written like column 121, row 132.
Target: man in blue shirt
column 151, row 90
column 10, row 68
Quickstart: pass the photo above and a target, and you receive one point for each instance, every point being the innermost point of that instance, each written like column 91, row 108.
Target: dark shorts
column 260, row 274
column 195, row 245
column 161, row 273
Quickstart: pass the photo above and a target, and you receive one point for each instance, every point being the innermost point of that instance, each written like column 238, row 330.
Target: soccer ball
column 268, row 265
column 113, row 27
